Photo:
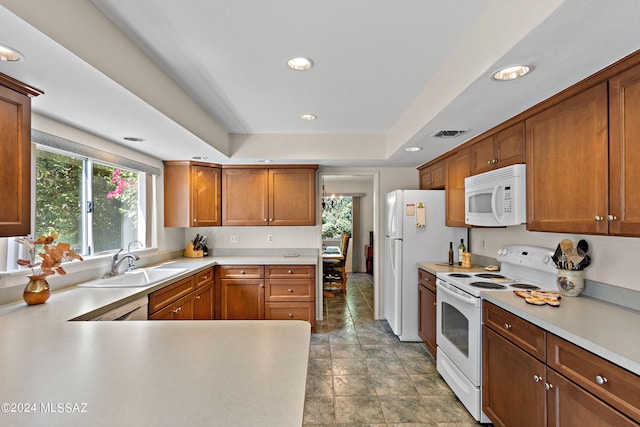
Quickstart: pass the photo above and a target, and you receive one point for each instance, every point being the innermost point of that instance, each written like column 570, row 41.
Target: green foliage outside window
column 337, row 217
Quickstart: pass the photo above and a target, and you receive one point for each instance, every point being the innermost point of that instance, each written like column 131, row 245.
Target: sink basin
column 134, row 279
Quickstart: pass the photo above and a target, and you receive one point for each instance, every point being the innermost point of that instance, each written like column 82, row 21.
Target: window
column 337, row 217
column 94, row 206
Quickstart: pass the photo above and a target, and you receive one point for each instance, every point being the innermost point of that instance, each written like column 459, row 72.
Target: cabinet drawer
column 427, row 279
column 289, row 290
column 620, row 388
column 181, row 309
column 204, row 277
column 290, row 311
column 165, row 296
column 290, row 271
column 522, row 333
column 241, row 271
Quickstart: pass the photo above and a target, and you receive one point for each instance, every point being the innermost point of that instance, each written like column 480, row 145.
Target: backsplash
column 257, row 237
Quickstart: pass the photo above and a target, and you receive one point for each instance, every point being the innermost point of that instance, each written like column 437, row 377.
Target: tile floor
column 360, row 374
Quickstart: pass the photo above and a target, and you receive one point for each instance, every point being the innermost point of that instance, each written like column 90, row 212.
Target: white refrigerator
column 415, row 231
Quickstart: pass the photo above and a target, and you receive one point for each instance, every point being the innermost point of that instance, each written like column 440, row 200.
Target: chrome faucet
column 116, row 261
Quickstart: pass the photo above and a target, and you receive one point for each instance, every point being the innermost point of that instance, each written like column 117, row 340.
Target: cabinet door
column 437, row 176
column 205, row 196
column 513, row 391
column 242, row 299
column 483, row 157
column 571, row 406
column 203, row 303
column 292, row 197
column 427, row 317
column 509, row 146
column 245, row 195
column 624, row 152
column 457, row 169
column 425, row 178
column 567, row 165
column 15, row 166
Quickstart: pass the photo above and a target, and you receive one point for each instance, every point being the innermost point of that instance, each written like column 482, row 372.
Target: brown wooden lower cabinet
column 427, row 309
column 269, row 292
column 188, row 299
column 559, row 385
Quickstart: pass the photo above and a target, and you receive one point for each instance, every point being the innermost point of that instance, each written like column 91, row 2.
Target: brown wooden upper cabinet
column 191, row 194
column 432, row 176
column 567, row 165
column 457, row 169
column 504, row 148
column 623, row 216
column 15, row 156
column 273, row 196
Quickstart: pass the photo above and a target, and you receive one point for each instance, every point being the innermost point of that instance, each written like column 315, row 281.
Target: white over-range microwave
column 496, row 198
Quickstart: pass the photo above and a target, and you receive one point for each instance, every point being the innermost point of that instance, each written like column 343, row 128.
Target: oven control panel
column 535, row 257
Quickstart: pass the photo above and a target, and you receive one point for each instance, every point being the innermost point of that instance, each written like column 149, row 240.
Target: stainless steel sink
column 134, row 279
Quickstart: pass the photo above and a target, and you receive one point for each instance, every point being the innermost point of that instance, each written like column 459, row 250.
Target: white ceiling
column 209, row 77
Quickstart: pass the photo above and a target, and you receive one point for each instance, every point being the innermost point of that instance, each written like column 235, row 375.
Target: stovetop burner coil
column 487, row 285
column 490, row 276
column 525, row 286
column 459, row 275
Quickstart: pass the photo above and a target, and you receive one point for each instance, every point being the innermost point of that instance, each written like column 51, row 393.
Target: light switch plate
column 234, row 238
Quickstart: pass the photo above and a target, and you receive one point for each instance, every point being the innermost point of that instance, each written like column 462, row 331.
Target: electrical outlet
column 234, row 238
column 269, row 238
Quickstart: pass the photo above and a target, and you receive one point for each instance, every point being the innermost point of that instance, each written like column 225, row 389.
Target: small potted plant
column 51, row 256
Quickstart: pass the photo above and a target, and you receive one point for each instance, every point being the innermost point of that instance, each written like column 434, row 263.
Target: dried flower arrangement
column 52, row 255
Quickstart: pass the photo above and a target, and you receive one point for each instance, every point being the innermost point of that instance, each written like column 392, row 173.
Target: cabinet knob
column 601, row 380
column 537, row 378
column 289, row 272
column 265, row 220
column 198, row 297
column 611, row 217
column 261, row 285
column 548, row 386
column 241, row 271
column 195, row 220
column 507, row 326
column 291, row 315
column 205, row 277
column 598, row 218
column 290, row 291
column 270, row 219
column 488, row 162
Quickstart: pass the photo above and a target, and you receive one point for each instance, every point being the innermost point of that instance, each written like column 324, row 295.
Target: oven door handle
column 461, row 295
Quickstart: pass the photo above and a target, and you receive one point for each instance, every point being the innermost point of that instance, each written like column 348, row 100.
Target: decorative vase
column 37, row 290
column 570, row 282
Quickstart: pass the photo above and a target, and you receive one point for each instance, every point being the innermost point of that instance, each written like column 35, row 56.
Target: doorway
column 362, row 187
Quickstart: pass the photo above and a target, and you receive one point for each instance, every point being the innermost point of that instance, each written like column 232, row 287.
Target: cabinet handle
column 177, row 310
column 291, row 315
column 289, row 272
column 241, row 271
column 601, row 380
column 198, row 297
column 265, row 220
column 270, row 219
column 611, row 217
column 507, row 326
column 598, row 218
column 195, row 220
column 537, row 378
column 205, row 277
column 290, row 291
column 261, row 285
column 548, row 386
column 488, row 162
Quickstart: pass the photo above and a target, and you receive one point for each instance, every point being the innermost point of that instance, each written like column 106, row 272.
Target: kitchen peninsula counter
column 435, row 268
column 58, row 372
column 600, row 327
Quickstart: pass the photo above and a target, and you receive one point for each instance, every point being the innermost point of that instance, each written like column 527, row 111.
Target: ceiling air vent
column 445, row 133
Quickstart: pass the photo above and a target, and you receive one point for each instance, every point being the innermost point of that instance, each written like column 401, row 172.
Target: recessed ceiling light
column 9, row 55
column 412, row 149
column 511, row 73
column 300, row 63
column 307, row 117
column 133, row 139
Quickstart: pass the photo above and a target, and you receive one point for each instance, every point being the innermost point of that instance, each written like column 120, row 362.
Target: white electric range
column 459, row 315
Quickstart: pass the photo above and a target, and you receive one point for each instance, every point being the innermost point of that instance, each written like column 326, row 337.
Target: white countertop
column 214, row 373
column 605, row 329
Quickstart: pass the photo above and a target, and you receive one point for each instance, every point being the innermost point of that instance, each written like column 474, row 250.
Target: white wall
column 614, row 259
column 256, row 237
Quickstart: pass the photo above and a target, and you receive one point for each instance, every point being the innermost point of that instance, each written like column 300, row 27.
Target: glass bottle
column 461, row 250
column 450, row 253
